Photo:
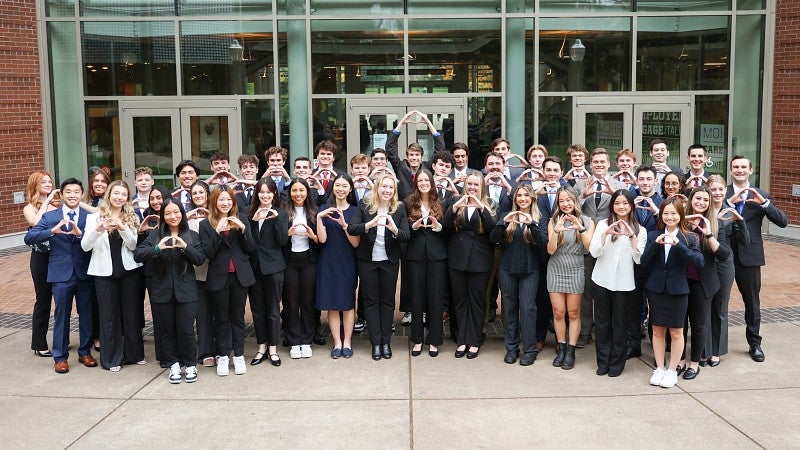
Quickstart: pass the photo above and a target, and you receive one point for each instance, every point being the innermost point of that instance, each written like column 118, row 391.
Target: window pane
column 258, row 126
column 116, row 8
column 555, row 125
column 102, row 137
column 291, row 7
column 223, row 7
column 227, row 57
column 484, row 116
column 751, row 4
column 65, row 98
column 59, row 8
column 682, row 53
column 747, row 88
column 153, row 147
column 348, row 7
column 357, row 56
column 584, row 5
column 448, row 6
column 711, row 125
column 604, row 63
column 682, row 5
column 330, row 121
column 128, row 58
column 663, row 124
column 458, row 55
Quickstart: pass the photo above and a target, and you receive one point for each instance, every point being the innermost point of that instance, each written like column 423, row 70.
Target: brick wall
column 785, row 157
column 21, row 138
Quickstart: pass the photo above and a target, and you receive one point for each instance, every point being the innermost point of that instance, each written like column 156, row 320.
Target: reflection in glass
column 748, row 85
column 374, row 129
column 446, row 6
column 484, row 118
column 329, row 123
column 711, row 128
column 291, row 7
column 102, row 137
column 664, row 125
column 350, row 7
column 682, row 53
column 584, row 6
column 751, row 4
column 209, row 135
column 65, row 100
column 555, row 125
column 605, row 129
column 227, row 57
column 258, row 127
column 605, row 64
column 457, row 55
column 677, row 5
column 128, row 58
column 223, row 7
column 148, row 8
column 59, row 8
column 153, row 147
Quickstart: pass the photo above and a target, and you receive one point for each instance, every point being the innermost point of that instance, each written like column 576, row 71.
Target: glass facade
column 289, row 71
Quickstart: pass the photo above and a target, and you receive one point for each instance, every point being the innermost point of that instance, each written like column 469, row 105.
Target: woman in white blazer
column 111, row 236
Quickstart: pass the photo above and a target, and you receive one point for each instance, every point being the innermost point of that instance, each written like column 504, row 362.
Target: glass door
column 671, row 123
column 206, row 131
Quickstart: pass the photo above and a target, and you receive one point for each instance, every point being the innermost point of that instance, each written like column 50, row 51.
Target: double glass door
column 159, row 136
column 617, row 124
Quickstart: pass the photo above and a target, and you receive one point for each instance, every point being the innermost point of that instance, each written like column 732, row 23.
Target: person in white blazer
column 111, row 235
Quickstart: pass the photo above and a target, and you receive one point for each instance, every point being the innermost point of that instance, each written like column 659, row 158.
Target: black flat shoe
column 275, row 360
column 473, row 355
column 376, row 352
column 43, row 353
column 386, row 351
column 679, row 369
column 461, row 353
column 511, row 357
column 527, row 359
column 703, row 363
column 691, row 374
column 319, row 340
column 257, row 359
column 633, row 352
column 433, row 353
column 601, row 371
column 712, row 363
column 416, row 352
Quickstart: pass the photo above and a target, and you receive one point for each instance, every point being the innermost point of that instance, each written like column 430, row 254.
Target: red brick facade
column 21, row 138
column 785, row 156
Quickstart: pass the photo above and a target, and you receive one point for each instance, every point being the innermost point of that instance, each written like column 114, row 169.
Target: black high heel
column 43, row 353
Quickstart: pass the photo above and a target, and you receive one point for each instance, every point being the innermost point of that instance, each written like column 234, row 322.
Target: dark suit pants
column 228, row 306
column 119, row 325
column 717, row 337
column 63, row 293
column 748, row 279
column 633, row 315
column 299, row 298
column 156, row 326
column 469, row 299
column 379, row 284
column 544, row 309
column 176, row 321
column 265, row 304
column 697, row 312
column 40, row 319
column 426, row 283
column 519, row 309
column 611, row 330
column 206, row 344
column 587, row 307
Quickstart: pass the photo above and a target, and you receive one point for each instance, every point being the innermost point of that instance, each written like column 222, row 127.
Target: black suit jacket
column 469, row 249
column 221, row 251
column 752, row 254
column 356, row 227
column 425, row 242
column 709, row 277
column 518, row 256
column 401, row 168
column 267, row 256
column 173, row 269
column 669, row 275
column 241, row 198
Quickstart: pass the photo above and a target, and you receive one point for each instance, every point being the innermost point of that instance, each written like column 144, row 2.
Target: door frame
column 179, row 111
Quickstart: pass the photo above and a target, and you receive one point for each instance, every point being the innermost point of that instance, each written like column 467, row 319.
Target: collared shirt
column 668, row 247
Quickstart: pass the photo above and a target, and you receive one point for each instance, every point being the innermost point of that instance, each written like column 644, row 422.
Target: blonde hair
column 372, row 200
column 487, row 201
column 128, row 216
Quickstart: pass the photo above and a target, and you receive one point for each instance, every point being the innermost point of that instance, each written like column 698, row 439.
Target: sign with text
column 664, row 125
column 713, row 137
column 609, row 134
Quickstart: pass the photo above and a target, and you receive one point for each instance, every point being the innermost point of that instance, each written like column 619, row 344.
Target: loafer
column 712, row 363
column 756, row 353
column 336, row 353
column 473, row 355
column 319, row 340
column 61, row 366
column 679, row 369
column 461, row 353
column 703, row 363
column 691, row 374
column 347, row 352
column 87, row 360
column 527, row 359
column 511, row 356
column 376, row 352
column 386, row 351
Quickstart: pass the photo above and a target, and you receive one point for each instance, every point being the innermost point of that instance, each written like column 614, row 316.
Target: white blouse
column 615, row 259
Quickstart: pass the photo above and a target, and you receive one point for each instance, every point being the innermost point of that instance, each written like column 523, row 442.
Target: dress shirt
column 379, row 249
column 299, row 243
column 615, row 259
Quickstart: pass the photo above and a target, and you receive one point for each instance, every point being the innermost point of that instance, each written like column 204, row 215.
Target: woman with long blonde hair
column 111, row 236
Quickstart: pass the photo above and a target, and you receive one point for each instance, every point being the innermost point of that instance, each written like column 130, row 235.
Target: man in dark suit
column 406, row 170
column 697, row 175
column 245, row 192
column 276, row 167
column 442, row 164
column 325, row 174
column 659, row 152
column 502, row 147
column 553, row 170
column 753, row 204
column 67, row 272
column 461, row 169
column 187, row 172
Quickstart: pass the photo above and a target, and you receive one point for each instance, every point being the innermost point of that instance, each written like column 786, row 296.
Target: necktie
column 440, row 188
column 249, row 194
column 740, row 206
column 325, row 179
column 697, row 182
column 71, row 215
column 598, row 195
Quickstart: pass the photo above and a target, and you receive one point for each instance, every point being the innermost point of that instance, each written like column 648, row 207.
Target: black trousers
column 544, row 309
column 493, row 285
column 587, row 307
column 176, row 332
column 519, row 309
column 633, row 309
column 611, row 327
column 469, row 299
column 40, row 319
column 299, row 298
column 379, row 284
column 228, row 306
column 405, row 289
column 156, row 325
column 748, row 280
column 426, row 281
column 117, row 302
column 697, row 314
column 206, row 343
column 717, row 337
column 265, row 304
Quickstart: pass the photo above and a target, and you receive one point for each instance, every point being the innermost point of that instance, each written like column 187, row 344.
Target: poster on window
column 713, row 137
column 664, row 125
column 209, row 134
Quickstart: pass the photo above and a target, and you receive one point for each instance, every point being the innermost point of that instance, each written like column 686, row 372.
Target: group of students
column 580, row 247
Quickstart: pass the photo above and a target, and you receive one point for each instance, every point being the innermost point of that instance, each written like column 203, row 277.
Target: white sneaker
column 406, row 320
column 658, row 375
column 175, row 373
column 294, row 352
column 305, row 351
column 670, row 379
column 222, row 366
column 191, row 374
column 239, row 367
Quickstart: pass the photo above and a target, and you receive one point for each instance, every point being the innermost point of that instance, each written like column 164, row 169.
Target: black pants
column 176, row 332
column 611, row 327
column 519, row 309
column 405, row 289
column 119, row 325
column 379, row 284
column 748, row 280
column 697, row 312
column 587, row 307
column 228, row 306
column 206, row 344
column 40, row 319
column 493, row 285
column 544, row 309
column 149, row 280
column 265, row 304
column 469, row 300
column 299, row 298
column 425, row 279
column 633, row 309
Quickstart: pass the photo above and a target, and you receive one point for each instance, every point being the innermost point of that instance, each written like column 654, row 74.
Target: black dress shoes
column 632, row 352
column 318, row 339
column 257, row 359
column 461, row 353
column 386, row 351
column 416, row 352
column 473, row 355
column 691, row 374
column 376, row 352
column 712, row 363
column 527, row 359
column 43, row 353
column 601, row 371
column 511, row 356
column 756, row 353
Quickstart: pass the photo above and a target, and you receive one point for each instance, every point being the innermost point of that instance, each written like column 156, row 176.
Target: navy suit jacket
column 66, row 254
column 669, row 274
column 752, row 254
column 646, row 218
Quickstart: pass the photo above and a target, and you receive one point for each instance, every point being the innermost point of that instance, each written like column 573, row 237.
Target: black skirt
column 667, row 310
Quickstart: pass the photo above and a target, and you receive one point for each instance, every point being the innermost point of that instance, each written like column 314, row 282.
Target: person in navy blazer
column 669, row 250
column 67, row 271
column 753, row 204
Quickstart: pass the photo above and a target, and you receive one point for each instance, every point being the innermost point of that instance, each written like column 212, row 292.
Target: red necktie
column 325, row 179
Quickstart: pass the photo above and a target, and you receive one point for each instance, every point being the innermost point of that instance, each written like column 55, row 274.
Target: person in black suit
column 227, row 243
column 382, row 224
column 659, row 153
column 470, row 255
column 245, row 192
column 697, row 175
column 669, row 250
column 173, row 250
column 405, row 170
column 268, row 223
column 753, row 204
column 325, row 173
column 66, row 271
column 425, row 266
column 461, row 167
